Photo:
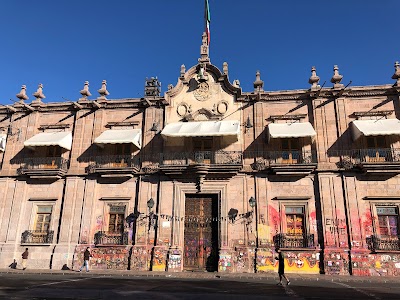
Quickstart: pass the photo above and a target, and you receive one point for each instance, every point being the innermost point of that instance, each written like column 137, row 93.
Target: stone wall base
column 365, row 263
column 103, row 258
column 40, row 256
column 336, row 261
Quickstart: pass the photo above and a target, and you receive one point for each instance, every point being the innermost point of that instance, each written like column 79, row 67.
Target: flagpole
column 207, row 20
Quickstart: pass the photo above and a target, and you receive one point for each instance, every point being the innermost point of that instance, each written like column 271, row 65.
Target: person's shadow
column 13, row 265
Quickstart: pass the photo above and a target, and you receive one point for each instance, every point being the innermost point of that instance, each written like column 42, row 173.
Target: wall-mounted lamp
column 252, row 202
column 247, row 124
column 150, row 203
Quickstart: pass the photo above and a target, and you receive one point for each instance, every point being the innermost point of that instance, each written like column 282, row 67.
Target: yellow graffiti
column 298, row 266
column 264, row 231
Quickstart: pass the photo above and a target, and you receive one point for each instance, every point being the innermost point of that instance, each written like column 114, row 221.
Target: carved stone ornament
column 222, row 107
column 202, row 93
column 182, row 109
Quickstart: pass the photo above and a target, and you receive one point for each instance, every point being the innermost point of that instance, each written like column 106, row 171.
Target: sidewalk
column 203, row 275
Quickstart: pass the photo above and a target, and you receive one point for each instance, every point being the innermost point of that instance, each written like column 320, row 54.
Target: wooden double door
column 201, row 233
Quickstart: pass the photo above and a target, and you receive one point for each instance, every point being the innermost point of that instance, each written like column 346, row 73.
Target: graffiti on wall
column 243, row 259
column 159, row 259
column 225, row 262
column 382, row 264
column 336, row 262
column 115, row 258
column 265, row 261
column 295, row 261
column 175, row 260
column 139, row 258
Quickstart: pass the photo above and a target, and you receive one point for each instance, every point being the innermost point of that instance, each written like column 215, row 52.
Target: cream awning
column 203, row 128
column 290, row 130
column 123, row 136
column 62, row 139
column 375, row 127
column 3, row 139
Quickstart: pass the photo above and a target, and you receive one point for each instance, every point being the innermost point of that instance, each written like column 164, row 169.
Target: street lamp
column 252, row 202
column 150, row 203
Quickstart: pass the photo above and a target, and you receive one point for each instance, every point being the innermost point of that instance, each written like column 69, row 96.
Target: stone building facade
column 205, row 177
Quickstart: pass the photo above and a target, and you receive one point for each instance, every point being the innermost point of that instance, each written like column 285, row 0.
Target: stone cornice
column 355, row 92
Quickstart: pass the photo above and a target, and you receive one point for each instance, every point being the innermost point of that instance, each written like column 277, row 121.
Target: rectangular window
column 388, row 221
column 123, row 149
column 53, row 151
column 203, row 144
column 376, row 149
column 203, row 150
column 295, row 221
column 290, row 150
column 376, row 142
column 43, row 217
column 116, row 220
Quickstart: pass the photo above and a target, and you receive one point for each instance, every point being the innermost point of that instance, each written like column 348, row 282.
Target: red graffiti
column 274, row 217
column 367, row 224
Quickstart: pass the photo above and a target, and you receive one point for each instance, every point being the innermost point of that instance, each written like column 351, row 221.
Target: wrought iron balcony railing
column 351, row 158
column 114, row 162
column 283, row 240
column 382, row 243
column 37, row 237
column 202, row 157
column 111, row 238
column 265, row 159
column 44, row 163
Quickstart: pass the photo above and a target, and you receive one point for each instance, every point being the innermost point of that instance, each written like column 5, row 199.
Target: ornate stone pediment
column 203, row 93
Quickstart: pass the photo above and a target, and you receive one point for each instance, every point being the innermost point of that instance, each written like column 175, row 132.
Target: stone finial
column 236, row 83
column 22, row 94
column 85, row 92
column 39, row 93
column 314, row 79
column 170, row 87
column 258, row 84
column 336, row 78
column 225, row 68
column 103, row 91
column 396, row 74
column 183, row 71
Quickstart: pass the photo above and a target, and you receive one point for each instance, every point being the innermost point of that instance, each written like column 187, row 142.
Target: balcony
column 380, row 161
column 107, row 238
column 202, row 157
column 285, row 162
column 114, row 165
column 288, row 241
column 44, row 167
column 37, row 237
column 223, row 163
column 389, row 243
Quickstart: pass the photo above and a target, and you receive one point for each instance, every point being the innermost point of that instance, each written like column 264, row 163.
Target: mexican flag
column 207, row 20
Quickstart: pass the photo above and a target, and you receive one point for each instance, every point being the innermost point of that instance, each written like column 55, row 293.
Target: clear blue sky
column 63, row 43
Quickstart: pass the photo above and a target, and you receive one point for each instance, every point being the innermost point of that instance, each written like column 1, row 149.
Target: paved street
column 146, row 285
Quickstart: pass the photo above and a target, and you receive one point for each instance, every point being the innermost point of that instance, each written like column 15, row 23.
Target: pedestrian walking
column 25, row 258
column 281, row 267
column 86, row 256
